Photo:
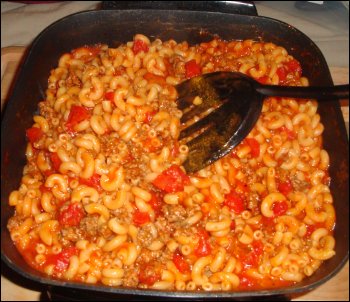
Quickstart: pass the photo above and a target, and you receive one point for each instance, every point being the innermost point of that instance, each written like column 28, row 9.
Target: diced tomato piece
column 172, row 180
column 72, row 215
column 310, row 228
column 156, row 203
column 268, row 223
column 109, row 95
column 263, row 79
column 55, row 160
column 252, row 258
column 44, row 189
column 192, row 69
column 294, row 66
column 77, row 114
column 34, row 134
column 233, row 153
column 233, row 225
column 279, row 208
column 254, row 146
column 285, row 187
column 140, row 218
column 61, row 260
column 138, row 46
column 246, row 281
column 282, row 73
column 203, row 248
column 235, row 202
column 149, row 274
column 258, row 247
column 93, row 181
column 241, row 187
column 49, row 172
column 180, row 262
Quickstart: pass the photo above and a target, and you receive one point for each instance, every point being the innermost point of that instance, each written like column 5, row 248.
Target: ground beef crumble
column 130, row 278
column 299, row 185
column 174, row 213
column 89, row 228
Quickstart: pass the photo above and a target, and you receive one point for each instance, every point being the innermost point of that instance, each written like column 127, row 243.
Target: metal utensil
column 235, row 102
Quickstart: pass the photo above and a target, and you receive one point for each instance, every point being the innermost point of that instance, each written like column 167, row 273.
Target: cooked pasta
column 104, row 198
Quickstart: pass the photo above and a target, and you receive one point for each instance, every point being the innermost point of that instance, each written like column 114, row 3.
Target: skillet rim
column 55, row 282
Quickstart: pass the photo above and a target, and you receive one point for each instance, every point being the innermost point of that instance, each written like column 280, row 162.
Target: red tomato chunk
column 282, row 73
column 77, row 114
column 235, row 202
column 172, row 180
column 254, row 147
column 34, row 134
column 252, row 258
column 93, row 181
column 285, row 187
column 203, row 248
column 310, row 228
column 156, row 203
column 138, row 46
column 180, row 262
column 263, row 80
column 72, row 215
column 109, row 95
column 279, row 208
column 55, row 160
column 44, row 189
column 245, row 281
column 140, row 218
column 294, row 66
column 61, row 260
column 192, row 69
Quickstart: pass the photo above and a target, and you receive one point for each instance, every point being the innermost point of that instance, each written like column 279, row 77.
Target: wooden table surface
column 14, row 287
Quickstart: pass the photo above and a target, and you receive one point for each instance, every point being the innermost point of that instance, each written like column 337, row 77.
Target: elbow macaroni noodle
column 101, row 202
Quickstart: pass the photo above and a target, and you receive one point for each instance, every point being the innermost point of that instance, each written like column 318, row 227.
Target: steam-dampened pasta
column 104, row 198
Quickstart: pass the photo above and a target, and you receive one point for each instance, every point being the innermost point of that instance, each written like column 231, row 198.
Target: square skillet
column 114, row 27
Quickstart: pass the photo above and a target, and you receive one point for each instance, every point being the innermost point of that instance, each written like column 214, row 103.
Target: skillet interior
column 116, row 27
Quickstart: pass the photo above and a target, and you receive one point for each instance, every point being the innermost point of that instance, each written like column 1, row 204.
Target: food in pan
column 104, row 198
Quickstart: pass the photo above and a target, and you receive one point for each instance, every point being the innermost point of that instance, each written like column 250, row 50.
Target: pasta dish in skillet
column 104, row 197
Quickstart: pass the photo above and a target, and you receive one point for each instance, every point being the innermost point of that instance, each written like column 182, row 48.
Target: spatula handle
column 320, row 93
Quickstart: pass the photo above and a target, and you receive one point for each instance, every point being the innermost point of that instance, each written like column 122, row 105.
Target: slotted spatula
column 235, row 101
